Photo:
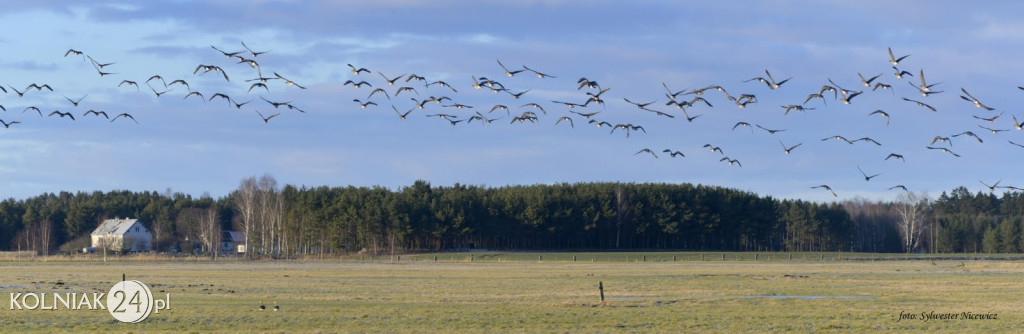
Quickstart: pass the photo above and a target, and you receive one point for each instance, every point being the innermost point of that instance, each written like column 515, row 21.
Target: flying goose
column 826, row 187
column 895, row 61
column 648, row 151
column 866, row 177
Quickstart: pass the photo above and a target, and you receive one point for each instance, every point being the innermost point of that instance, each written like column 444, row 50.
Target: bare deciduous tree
column 210, row 232
column 913, row 211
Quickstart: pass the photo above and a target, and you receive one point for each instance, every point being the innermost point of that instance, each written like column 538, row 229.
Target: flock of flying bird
column 156, row 83
column 408, row 93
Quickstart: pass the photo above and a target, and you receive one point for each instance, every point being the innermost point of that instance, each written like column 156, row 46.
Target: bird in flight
column 125, row 115
column 266, row 118
column 8, row 125
column 539, row 74
column 62, row 114
column 227, row 54
column 867, row 82
column 899, row 186
column 288, row 82
column 920, row 104
column 826, row 187
column 972, row 99
column 883, row 113
column 990, row 119
column 673, row 154
column 944, row 150
column 507, row 72
column 714, row 148
column 770, row 131
column 731, row 161
column 356, row 71
column 895, row 61
column 362, row 105
column 968, row 133
column 895, row 156
column 253, row 53
column 75, row 102
column 925, row 87
column 97, row 113
column 565, row 118
column 647, row 150
column 866, row 177
column 739, row 124
column 993, row 187
column 206, row 68
column 837, row 137
column 789, row 149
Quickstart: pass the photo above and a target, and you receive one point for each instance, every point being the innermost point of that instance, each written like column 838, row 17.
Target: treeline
column 290, row 220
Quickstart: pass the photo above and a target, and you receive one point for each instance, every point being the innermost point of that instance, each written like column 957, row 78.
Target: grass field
column 538, row 292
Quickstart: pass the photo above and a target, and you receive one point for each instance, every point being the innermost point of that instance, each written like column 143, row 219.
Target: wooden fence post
column 600, row 287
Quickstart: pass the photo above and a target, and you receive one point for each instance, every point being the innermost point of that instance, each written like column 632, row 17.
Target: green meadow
column 494, row 292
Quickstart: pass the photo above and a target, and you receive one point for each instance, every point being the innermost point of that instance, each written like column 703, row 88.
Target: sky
column 633, row 49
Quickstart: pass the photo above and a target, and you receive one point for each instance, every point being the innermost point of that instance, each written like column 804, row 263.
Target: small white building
column 122, row 234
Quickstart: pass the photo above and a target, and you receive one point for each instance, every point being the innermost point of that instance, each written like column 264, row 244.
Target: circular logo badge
column 130, row 301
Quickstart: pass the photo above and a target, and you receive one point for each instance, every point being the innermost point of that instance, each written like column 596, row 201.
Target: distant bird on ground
column 276, row 307
column 866, row 177
column 826, row 187
column 648, row 151
column 262, row 307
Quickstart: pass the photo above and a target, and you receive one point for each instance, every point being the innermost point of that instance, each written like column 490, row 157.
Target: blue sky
column 199, row 147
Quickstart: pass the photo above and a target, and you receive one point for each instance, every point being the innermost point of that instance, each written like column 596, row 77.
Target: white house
column 122, row 234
